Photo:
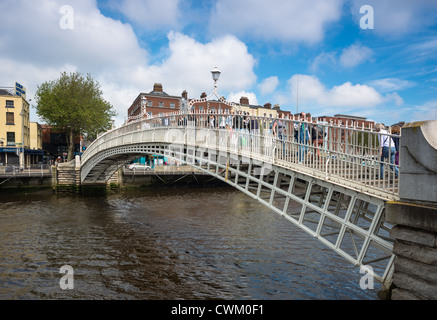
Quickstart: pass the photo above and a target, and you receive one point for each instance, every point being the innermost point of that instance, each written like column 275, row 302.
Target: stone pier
column 415, row 215
column 66, row 176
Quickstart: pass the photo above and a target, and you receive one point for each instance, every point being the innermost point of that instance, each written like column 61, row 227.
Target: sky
column 371, row 58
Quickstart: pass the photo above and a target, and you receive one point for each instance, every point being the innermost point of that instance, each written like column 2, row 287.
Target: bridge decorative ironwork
column 333, row 171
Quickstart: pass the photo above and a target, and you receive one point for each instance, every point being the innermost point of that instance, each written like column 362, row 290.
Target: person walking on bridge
column 303, row 137
column 387, row 149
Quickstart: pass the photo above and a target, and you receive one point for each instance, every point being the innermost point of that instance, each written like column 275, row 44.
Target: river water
column 195, row 243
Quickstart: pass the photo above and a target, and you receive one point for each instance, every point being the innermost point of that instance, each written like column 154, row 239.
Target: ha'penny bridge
column 348, row 198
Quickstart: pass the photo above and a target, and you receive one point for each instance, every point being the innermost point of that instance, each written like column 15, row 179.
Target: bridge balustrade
column 341, row 153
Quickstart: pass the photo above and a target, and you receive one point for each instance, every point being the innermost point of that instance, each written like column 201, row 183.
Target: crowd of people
column 305, row 135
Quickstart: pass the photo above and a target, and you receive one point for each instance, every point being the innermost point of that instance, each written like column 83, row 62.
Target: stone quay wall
column 415, row 215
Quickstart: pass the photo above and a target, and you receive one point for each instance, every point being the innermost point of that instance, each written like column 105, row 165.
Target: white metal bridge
column 333, row 172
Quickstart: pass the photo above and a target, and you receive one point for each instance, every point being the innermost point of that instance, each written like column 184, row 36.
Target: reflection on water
column 164, row 244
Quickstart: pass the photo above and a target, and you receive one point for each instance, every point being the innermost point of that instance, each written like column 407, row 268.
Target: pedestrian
column 211, row 121
column 222, row 123
column 387, row 149
column 278, row 130
column 303, row 137
column 396, row 130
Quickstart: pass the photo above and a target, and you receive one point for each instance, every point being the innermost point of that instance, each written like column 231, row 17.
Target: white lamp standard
column 215, row 76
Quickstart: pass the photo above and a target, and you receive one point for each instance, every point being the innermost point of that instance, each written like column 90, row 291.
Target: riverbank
column 163, row 176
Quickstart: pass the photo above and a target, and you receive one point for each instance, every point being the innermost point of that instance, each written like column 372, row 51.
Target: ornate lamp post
column 215, row 76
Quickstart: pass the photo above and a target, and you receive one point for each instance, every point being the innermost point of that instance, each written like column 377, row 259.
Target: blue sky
column 265, row 50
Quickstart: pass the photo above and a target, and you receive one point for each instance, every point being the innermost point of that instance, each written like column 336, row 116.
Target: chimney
column 276, row 107
column 268, row 105
column 157, row 87
column 244, row 100
column 185, row 95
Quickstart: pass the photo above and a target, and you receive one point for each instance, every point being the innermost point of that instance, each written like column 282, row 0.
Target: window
column 9, row 103
column 10, row 118
column 161, row 104
column 10, row 136
column 172, row 105
column 200, row 108
column 149, row 103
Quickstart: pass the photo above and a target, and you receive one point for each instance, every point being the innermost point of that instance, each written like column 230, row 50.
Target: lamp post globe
column 215, row 74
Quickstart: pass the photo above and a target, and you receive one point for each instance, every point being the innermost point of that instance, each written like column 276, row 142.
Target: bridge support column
column 68, row 176
column 415, row 216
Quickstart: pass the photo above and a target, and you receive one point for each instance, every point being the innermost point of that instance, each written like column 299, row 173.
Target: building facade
column 348, row 120
column 14, row 129
column 156, row 102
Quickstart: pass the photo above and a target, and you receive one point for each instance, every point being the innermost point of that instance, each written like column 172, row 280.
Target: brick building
column 158, row 102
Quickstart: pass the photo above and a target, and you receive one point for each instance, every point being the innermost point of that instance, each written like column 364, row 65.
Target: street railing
column 339, row 152
column 29, row 170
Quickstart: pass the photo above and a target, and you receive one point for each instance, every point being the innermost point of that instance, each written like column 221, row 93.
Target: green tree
column 74, row 103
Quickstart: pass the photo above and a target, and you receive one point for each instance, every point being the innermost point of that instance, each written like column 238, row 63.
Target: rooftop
column 6, row 91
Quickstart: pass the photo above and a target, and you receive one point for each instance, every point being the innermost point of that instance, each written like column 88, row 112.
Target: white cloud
column 426, row 111
column 152, row 14
column 189, row 63
column 312, row 93
column 268, row 85
column 236, row 96
column 34, row 48
column 394, row 97
column 187, row 66
column 283, row 20
column 31, row 32
column 323, row 59
column 391, row 84
column 355, row 55
column 350, row 57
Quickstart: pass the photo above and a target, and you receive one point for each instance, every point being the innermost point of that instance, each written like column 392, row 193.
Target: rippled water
column 164, row 244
